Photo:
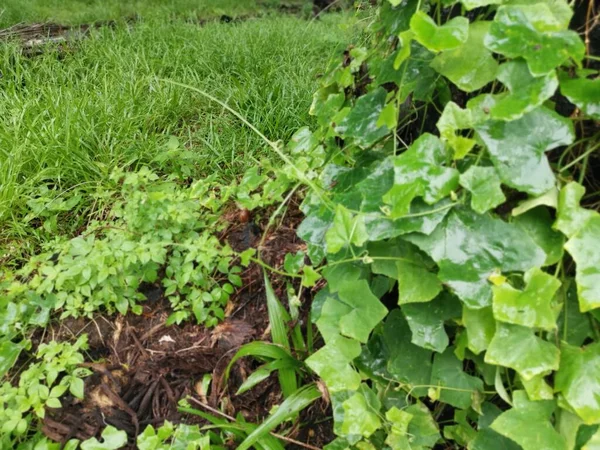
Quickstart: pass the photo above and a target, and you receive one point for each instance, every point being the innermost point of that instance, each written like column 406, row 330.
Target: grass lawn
column 71, row 115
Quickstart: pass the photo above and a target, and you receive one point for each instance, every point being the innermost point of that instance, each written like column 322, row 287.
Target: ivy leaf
column 537, row 224
column 532, row 307
column 538, row 389
column 447, row 372
column 366, row 310
column 347, row 230
column 484, row 185
column 422, row 428
column 584, row 93
column 359, row 418
column 578, row 380
column 488, row 439
column 583, row 247
column 471, row 65
column 293, row 263
column 517, row 148
column 481, row 327
column 426, row 321
column 361, row 123
column 406, row 362
column 526, row 91
column 418, row 172
column 529, row 425
column 437, row 38
column 519, row 348
column 570, row 217
column 469, row 248
column 575, row 327
column 455, row 118
column 332, row 364
column 410, row 267
column 533, row 33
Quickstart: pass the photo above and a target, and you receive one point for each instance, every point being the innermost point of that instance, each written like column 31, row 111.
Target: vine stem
column 584, row 155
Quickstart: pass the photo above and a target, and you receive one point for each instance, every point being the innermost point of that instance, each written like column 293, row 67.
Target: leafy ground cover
column 415, row 269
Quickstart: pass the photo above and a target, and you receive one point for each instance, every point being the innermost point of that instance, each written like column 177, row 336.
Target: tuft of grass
column 71, row 115
column 76, row 12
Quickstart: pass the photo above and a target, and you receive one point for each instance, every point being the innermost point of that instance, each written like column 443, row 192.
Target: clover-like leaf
column 533, row 33
column 529, row 425
column 532, row 307
column 457, row 387
column 584, row 93
column 426, row 321
column 517, row 148
column 437, row 38
column 471, row 65
column 484, row 185
column 361, row 122
column 519, row 348
column 469, row 248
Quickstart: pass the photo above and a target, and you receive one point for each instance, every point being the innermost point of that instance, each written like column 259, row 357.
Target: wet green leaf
column 347, row 230
column 529, row 425
column 426, row 321
column 584, row 93
column 437, row 38
column 112, row 439
column 418, row 172
column 533, row 33
column 359, row 417
column 519, row 348
column 472, row 4
column 481, row 327
column 517, row 148
column 361, row 123
column 454, row 119
column 457, row 387
column 532, row 307
column 484, row 185
column 471, row 65
column 469, row 248
column 332, row 364
column 416, row 283
column 570, row 217
column 583, row 247
column 366, row 310
column 537, row 224
column 422, row 428
column 578, row 380
column 538, row 389
column 573, row 326
column 526, row 92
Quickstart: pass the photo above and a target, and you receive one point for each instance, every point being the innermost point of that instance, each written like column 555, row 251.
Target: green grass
column 74, row 12
column 67, row 119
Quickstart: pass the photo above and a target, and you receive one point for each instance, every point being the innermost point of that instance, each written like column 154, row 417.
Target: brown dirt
column 143, row 368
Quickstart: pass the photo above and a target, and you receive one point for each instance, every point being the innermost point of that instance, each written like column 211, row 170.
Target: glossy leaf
column 570, row 217
column 519, row 348
column 418, row 172
column 454, row 119
column 361, row 123
column 469, row 248
column 481, row 327
column 471, row 65
column 9, row 352
column 422, row 428
column 584, row 93
column 366, row 310
column 526, row 92
column 347, row 230
column 359, row 418
column 537, row 224
column 529, row 425
column 583, row 247
column 533, row 33
column 457, row 387
column 531, row 307
column 426, row 321
column 578, row 380
column 332, row 364
column 436, row 38
column 484, row 185
column 517, row 148
column 538, row 389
